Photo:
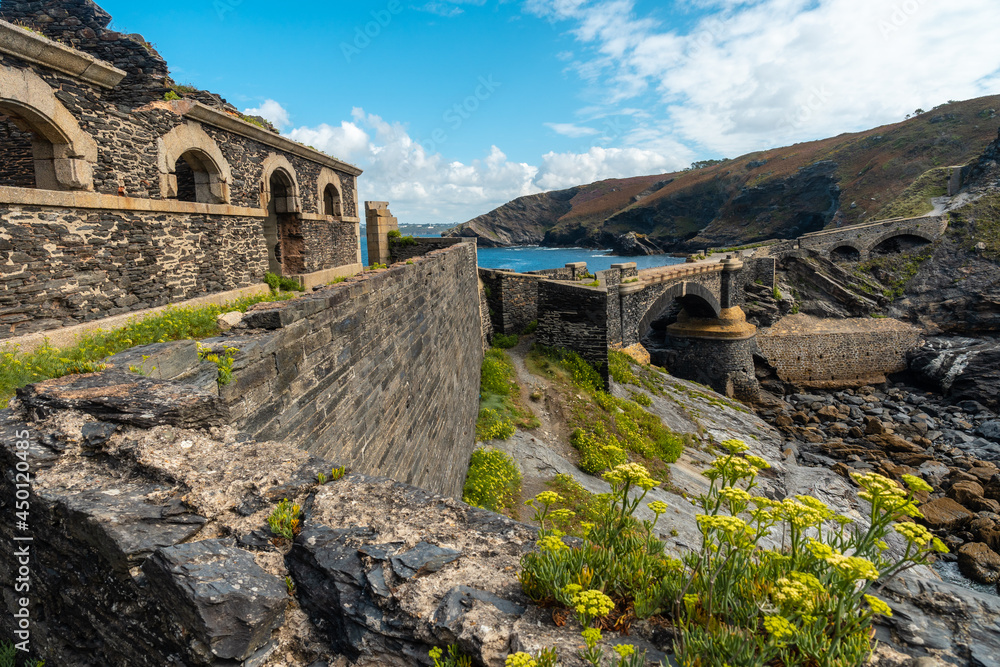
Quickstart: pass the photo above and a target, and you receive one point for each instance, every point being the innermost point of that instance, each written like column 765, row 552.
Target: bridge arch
column 695, row 298
column 847, row 251
column 912, row 236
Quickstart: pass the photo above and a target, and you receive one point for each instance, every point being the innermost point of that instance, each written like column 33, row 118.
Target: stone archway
column 192, row 167
column 846, row 252
column 899, row 241
column 330, row 194
column 62, row 155
column 693, row 297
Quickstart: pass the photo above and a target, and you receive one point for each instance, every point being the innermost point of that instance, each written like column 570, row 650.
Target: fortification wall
column 576, row 318
column 64, row 266
column 401, row 252
column 810, row 353
column 513, row 299
column 379, row 373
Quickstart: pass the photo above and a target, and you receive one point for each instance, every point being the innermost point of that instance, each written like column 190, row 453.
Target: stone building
column 121, row 191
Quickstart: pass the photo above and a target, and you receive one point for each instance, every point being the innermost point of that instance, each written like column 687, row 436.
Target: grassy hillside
column 781, row 193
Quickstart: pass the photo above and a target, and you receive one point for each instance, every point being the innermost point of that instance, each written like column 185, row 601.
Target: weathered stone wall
column 65, row 266
column 329, row 244
column 805, row 352
column 375, row 372
column 724, row 365
column 17, row 167
column 513, row 299
column 576, row 318
column 421, row 246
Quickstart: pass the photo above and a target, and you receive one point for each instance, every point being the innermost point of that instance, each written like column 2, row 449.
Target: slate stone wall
column 329, row 244
column 421, row 246
column 724, row 365
column 829, row 357
column 376, row 373
column 17, row 163
column 576, row 318
column 513, row 299
column 61, row 267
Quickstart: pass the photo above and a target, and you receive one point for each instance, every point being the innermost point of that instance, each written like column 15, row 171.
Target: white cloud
column 572, row 130
column 273, row 112
column 564, row 170
column 763, row 73
column 449, row 8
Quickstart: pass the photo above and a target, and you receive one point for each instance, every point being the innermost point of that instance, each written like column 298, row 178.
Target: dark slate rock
column 126, row 398
column 96, row 434
column 250, row 505
column 220, row 595
column 461, row 599
column 124, row 526
column 990, row 430
column 257, row 540
column 161, row 361
column 422, row 559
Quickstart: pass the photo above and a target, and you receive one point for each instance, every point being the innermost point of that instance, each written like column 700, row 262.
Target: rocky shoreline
column 898, row 430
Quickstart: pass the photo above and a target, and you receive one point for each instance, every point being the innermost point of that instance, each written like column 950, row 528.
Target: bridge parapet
column 866, row 237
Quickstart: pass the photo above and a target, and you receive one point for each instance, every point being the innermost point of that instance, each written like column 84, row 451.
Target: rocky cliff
column 775, row 194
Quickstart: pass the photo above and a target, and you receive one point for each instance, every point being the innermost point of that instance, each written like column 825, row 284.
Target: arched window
column 199, row 179
column 331, row 202
column 41, row 143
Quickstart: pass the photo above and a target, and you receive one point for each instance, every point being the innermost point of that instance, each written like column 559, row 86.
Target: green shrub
column 224, row 362
column 284, row 520
column 493, row 482
column 397, row 239
column 175, row 323
column 455, row 657
column 777, row 294
column 491, row 426
column 531, row 328
column 282, row 284
column 500, row 408
column 808, row 602
column 170, row 96
column 505, row 341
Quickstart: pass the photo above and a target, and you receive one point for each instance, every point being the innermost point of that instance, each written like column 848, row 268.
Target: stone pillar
column 716, row 352
column 379, row 222
column 731, row 292
column 628, row 269
column 631, row 304
column 576, row 269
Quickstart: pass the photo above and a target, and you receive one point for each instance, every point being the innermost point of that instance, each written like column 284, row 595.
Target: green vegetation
column 397, row 239
column 577, row 508
column 338, row 280
column 223, row 361
column 8, row 656
column 531, row 328
column 500, row 408
column 335, row 474
column 607, row 430
column 376, row 267
column 505, row 341
column 895, row 271
column 916, row 199
column 282, row 284
column 455, row 657
column 493, row 482
column 979, row 222
column 253, row 121
column 46, row 362
column 284, row 520
column 170, row 96
column 733, row 601
column 596, row 283
column 778, row 296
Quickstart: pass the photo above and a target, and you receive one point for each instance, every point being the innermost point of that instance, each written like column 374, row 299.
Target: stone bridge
column 859, row 242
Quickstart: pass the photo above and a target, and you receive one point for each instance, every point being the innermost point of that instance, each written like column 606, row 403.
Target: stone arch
column 190, row 145
column 901, row 234
column 692, row 296
column 847, row 251
column 330, row 193
column 288, row 202
column 63, row 156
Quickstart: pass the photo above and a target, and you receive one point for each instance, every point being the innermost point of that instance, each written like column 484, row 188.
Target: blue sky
column 454, row 107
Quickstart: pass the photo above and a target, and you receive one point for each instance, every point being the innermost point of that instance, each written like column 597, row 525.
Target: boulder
column 980, row 563
column 991, row 489
column 828, row 413
column 227, row 602
column 945, row 514
column 986, row 529
column 934, row 473
column 966, row 493
column 874, row 426
column 894, row 443
column 989, row 430
column 227, row 321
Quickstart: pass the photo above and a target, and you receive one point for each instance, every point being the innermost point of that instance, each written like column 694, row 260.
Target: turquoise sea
column 535, row 258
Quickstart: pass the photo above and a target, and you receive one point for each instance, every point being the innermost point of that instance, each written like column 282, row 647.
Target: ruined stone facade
column 118, row 194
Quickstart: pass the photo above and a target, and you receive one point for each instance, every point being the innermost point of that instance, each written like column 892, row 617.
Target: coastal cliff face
column 776, row 194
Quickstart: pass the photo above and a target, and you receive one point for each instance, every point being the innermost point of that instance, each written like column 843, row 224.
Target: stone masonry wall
column 375, row 372
column 576, row 318
column 62, row 267
column 820, row 357
column 422, row 246
column 513, row 299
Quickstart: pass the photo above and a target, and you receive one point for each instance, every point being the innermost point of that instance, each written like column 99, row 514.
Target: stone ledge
column 93, row 200
column 67, row 336
column 310, row 280
column 42, row 51
column 224, row 121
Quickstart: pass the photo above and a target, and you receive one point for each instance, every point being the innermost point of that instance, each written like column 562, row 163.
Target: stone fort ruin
column 119, row 193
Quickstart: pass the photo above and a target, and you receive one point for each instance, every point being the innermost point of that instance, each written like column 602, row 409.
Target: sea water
column 536, row 258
